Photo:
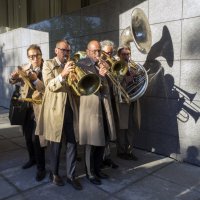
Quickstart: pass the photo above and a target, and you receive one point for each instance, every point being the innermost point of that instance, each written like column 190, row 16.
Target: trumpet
column 35, row 101
column 24, row 77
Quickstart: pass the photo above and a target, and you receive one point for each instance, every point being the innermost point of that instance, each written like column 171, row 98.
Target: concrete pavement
column 152, row 177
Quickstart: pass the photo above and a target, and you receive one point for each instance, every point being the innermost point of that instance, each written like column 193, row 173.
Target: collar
column 59, row 63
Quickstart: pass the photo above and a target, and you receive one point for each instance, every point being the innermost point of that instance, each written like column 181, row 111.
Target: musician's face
column 108, row 50
column 125, row 55
column 94, row 51
column 35, row 57
column 63, row 52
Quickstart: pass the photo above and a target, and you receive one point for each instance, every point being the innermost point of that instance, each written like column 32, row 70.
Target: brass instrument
column 79, row 55
column 139, row 83
column 117, row 70
column 24, row 77
column 139, row 31
column 35, row 101
column 81, row 82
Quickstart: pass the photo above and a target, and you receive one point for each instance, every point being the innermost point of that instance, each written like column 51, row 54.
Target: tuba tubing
column 141, row 85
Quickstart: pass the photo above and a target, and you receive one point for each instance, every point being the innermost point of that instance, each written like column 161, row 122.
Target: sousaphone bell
column 138, row 32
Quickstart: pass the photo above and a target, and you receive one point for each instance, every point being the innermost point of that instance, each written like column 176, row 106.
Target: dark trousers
column 94, row 154
column 125, row 136
column 35, row 151
column 93, row 159
column 107, row 152
column 71, row 146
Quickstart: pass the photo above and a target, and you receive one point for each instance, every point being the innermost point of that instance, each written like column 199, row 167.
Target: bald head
column 94, row 50
column 93, row 43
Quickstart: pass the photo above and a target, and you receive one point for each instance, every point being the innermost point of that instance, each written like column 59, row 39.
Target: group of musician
column 65, row 118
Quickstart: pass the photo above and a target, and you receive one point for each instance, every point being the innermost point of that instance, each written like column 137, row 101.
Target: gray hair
column 107, row 43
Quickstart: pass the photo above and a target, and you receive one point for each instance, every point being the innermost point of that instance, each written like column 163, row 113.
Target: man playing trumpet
column 29, row 78
column 59, row 115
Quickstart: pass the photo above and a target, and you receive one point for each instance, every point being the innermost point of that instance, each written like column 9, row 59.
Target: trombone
column 117, row 69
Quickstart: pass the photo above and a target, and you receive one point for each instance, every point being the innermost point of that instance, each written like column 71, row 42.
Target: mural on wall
column 173, row 104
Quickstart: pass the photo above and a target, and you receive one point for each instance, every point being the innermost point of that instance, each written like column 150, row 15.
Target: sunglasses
column 126, row 54
column 109, row 53
column 64, row 50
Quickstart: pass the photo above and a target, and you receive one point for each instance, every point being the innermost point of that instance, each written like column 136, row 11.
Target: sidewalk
column 152, row 177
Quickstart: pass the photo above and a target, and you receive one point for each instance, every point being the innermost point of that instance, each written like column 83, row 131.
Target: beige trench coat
column 91, row 128
column 37, row 93
column 51, row 117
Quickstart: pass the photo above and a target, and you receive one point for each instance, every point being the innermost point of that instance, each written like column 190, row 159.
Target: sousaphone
column 138, row 32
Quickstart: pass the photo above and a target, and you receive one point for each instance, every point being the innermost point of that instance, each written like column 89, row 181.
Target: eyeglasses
column 95, row 51
column 64, row 50
column 32, row 57
column 109, row 53
column 126, row 54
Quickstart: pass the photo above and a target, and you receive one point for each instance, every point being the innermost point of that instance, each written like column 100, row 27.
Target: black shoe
column 107, row 162
column 110, row 163
column 56, row 179
column 78, row 159
column 132, row 157
column 29, row 164
column 40, row 175
column 123, row 156
column 94, row 180
column 75, row 183
column 114, row 165
column 101, row 175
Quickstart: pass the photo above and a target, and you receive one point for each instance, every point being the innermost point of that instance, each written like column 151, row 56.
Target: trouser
column 125, row 136
column 93, row 159
column 107, row 152
column 35, row 151
column 71, row 146
column 55, row 149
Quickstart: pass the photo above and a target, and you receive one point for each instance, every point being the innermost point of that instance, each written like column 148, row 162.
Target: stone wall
column 13, row 45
